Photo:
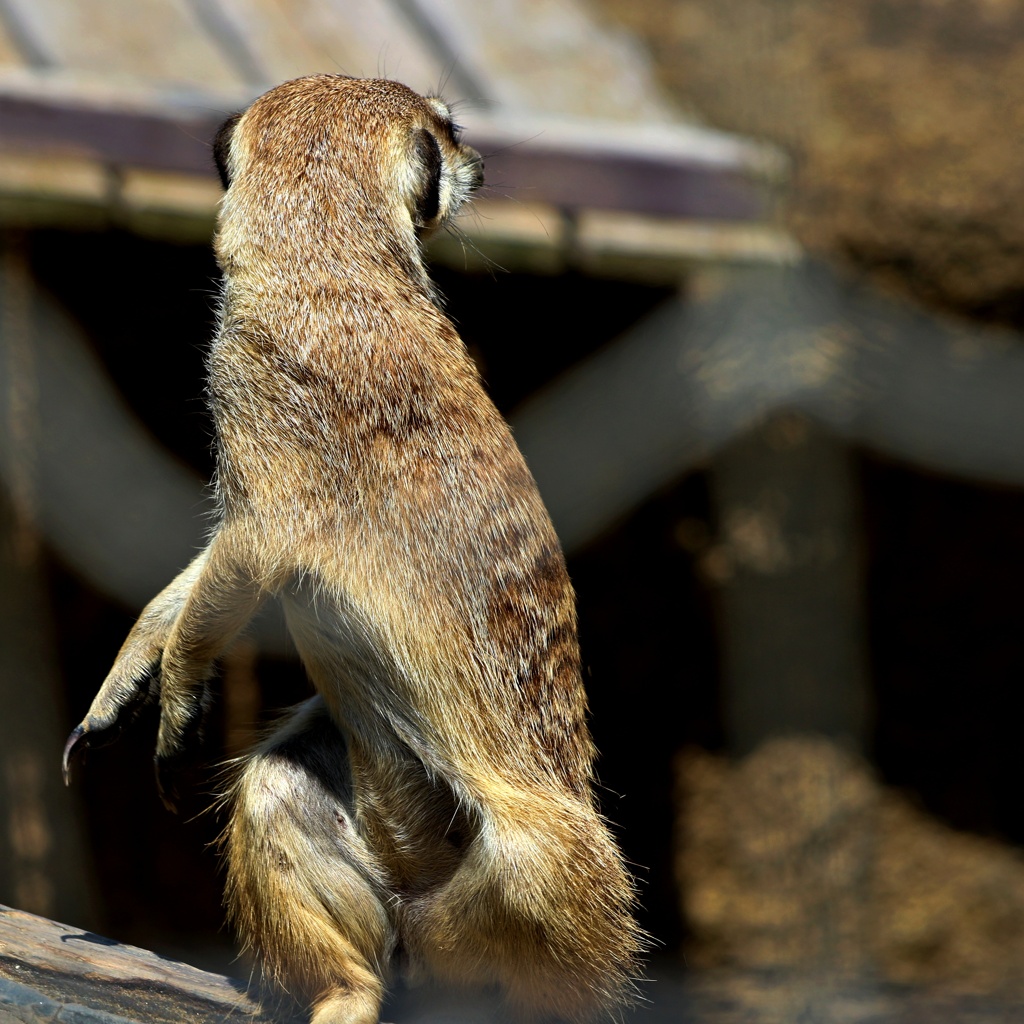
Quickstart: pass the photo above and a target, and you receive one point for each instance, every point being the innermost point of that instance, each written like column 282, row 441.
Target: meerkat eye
column 222, row 148
column 428, row 196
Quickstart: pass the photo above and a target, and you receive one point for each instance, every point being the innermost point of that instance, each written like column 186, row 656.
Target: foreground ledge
column 51, row 972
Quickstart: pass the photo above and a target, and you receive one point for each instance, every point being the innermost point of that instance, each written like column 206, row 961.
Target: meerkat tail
column 542, row 904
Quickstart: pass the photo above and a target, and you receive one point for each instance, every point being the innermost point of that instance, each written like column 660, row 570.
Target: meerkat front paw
column 125, row 692
column 135, row 679
column 181, row 731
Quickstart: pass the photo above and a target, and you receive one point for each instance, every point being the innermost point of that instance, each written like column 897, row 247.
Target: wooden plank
column 606, row 243
column 303, row 37
column 50, row 971
column 156, row 138
column 550, row 56
column 603, row 235
column 574, row 175
column 154, row 40
column 69, row 178
column 622, row 180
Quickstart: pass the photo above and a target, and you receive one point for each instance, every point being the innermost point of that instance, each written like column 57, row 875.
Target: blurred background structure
column 747, row 277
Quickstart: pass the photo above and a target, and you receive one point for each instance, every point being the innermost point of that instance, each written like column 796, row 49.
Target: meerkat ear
column 428, row 192
column 222, row 148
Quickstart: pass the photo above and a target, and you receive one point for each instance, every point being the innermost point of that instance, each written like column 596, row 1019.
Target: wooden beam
column 596, row 168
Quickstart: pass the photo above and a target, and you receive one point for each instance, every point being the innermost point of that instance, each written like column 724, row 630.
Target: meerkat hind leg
column 305, row 890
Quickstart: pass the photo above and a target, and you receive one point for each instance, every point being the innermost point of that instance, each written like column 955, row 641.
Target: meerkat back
column 435, row 797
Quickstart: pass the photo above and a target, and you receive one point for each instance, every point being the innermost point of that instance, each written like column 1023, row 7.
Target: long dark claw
column 107, row 720
column 74, row 749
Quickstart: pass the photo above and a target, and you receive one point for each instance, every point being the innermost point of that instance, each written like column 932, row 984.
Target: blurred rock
column 797, row 858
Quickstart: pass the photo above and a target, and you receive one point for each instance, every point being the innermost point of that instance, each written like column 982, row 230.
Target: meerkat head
column 445, row 170
column 330, row 155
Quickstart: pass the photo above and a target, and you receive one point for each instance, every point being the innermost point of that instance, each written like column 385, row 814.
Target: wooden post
column 788, row 565
column 798, row 833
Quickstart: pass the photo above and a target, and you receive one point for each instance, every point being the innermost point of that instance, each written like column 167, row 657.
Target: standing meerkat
column 435, row 796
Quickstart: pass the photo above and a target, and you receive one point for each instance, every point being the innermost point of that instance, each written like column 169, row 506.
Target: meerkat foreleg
column 305, row 889
column 221, row 602
column 134, row 678
column 170, row 653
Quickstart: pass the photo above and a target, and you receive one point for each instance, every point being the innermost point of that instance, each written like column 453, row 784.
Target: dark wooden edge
column 568, row 177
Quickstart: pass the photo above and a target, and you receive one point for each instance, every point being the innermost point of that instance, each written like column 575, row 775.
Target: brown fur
column 436, row 794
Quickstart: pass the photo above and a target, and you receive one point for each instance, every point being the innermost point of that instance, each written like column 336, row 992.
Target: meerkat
column 435, row 798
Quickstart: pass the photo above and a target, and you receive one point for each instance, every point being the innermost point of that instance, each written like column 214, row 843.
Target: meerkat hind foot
column 347, row 1006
